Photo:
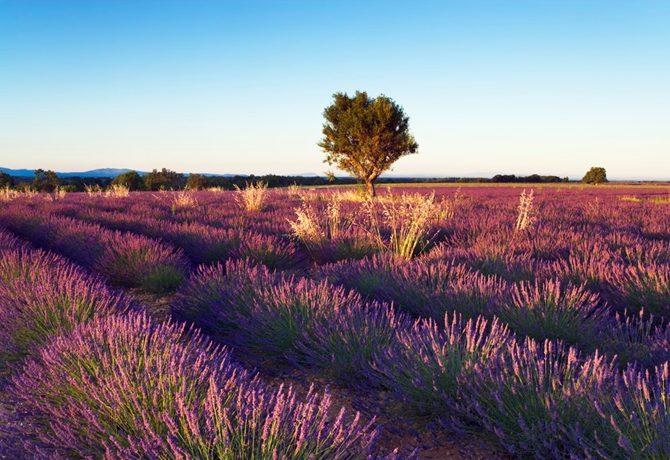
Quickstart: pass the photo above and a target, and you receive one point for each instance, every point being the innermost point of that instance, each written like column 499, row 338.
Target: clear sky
column 491, row 87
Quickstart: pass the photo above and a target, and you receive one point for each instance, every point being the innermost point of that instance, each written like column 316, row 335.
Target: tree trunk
column 370, row 188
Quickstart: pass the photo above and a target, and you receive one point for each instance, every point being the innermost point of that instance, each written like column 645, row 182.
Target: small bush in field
column 213, row 288
column 271, row 251
column 551, row 311
column 137, row 389
column 427, row 362
column 132, row 260
column 446, row 208
column 93, row 190
column 252, row 197
column 535, row 398
column 42, row 295
column 306, row 322
column 25, row 263
column 636, row 339
column 644, row 286
column 637, row 415
column 7, row 194
column 9, row 241
column 344, row 342
column 421, row 289
column 273, row 323
column 183, row 199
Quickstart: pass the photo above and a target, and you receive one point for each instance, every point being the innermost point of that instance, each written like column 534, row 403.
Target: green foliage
column 196, row 182
column 163, row 280
column 130, row 180
column 164, row 179
column 595, row 176
column 6, row 180
column 45, row 181
column 532, row 179
column 365, row 136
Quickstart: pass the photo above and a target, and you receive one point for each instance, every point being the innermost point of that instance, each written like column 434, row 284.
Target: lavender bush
column 535, row 398
column 212, row 289
column 637, row 415
column 428, row 362
column 9, row 241
column 551, row 311
column 127, row 259
column 422, row 289
column 136, row 389
column 42, row 295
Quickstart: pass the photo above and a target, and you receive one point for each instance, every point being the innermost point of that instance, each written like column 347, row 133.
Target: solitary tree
column 595, row 175
column 365, row 136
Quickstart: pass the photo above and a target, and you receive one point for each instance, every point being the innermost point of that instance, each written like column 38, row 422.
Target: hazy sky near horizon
column 491, row 87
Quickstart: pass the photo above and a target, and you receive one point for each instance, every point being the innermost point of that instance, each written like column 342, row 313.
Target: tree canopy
column 365, row 136
column 596, row 175
column 164, row 179
column 131, row 180
column 6, row 180
column 45, row 181
column 196, row 182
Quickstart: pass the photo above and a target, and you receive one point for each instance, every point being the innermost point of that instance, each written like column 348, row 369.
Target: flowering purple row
column 543, row 310
column 204, row 244
column 126, row 387
column 43, row 294
column 92, row 378
column 538, row 398
column 124, row 258
column 9, row 241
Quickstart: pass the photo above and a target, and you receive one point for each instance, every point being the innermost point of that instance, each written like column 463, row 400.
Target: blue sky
column 509, row 87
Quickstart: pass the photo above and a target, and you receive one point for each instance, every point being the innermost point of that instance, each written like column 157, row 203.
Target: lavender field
column 533, row 320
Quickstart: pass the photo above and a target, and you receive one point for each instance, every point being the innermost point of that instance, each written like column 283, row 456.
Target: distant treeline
column 532, row 179
column 165, row 179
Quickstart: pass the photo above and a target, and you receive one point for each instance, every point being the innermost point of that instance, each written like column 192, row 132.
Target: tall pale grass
column 184, row 199
column 7, row 194
column 447, row 206
column 406, row 217
column 314, row 227
column 93, row 190
column 526, row 217
column 252, row 197
column 294, row 191
column 117, row 191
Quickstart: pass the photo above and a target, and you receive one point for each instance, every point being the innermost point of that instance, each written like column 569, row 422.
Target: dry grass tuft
column 252, row 197
column 526, row 217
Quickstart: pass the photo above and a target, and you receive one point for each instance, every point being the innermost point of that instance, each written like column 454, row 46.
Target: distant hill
column 103, row 172
column 113, row 172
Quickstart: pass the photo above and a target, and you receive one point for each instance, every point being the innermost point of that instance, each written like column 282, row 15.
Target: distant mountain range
column 102, row 172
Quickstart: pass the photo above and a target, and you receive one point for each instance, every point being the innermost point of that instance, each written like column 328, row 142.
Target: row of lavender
column 141, row 216
column 90, row 376
column 542, row 399
column 485, row 267
column 581, row 261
